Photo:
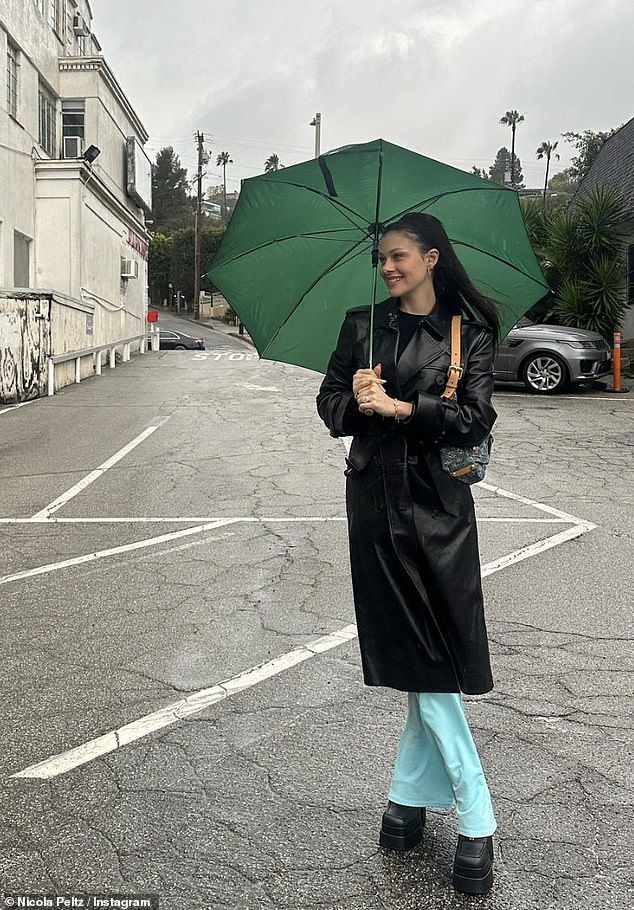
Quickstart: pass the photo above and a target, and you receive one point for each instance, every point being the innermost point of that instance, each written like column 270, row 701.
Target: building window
column 12, row 79
column 57, row 17
column 48, row 115
column 73, row 115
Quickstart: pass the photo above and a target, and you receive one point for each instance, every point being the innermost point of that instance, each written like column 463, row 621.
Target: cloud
column 433, row 75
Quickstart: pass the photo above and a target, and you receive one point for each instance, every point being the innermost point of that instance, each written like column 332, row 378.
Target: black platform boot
column 473, row 865
column 401, row 827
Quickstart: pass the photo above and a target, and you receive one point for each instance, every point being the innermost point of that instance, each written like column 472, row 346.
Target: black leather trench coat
column 412, row 530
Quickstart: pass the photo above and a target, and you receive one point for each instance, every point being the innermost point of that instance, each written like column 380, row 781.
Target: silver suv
column 548, row 358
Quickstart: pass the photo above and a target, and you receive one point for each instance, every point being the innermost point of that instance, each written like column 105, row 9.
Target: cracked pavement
column 270, row 799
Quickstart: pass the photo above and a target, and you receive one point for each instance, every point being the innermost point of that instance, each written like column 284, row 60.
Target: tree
column 480, row 172
column 171, row 204
column 546, row 151
column 215, row 194
column 272, row 163
column 224, row 159
column 159, row 267
column 563, row 182
column 581, row 254
column 501, row 167
column 588, row 144
column 512, row 119
column 183, row 256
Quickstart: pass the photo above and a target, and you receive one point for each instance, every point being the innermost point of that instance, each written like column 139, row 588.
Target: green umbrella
column 298, row 251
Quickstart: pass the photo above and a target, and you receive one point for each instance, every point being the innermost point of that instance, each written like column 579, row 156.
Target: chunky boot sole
column 470, row 885
column 402, row 837
column 473, row 873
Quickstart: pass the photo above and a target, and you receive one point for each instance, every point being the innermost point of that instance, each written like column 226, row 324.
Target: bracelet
column 396, row 404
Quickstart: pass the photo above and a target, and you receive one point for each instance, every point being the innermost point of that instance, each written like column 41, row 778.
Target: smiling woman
column 412, row 530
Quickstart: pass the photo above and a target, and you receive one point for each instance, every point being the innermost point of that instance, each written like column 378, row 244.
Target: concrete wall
column 24, row 347
column 37, row 325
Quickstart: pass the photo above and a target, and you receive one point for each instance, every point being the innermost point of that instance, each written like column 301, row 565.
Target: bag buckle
column 455, row 369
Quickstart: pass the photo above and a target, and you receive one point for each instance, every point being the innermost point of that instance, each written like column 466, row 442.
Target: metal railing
column 95, row 353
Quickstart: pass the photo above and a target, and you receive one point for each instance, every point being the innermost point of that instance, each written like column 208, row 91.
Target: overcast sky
column 432, row 75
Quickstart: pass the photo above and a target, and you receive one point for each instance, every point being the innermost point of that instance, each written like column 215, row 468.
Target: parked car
column 548, row 358
column 179, row 341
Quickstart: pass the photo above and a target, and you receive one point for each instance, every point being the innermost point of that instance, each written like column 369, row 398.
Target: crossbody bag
column 467, row 464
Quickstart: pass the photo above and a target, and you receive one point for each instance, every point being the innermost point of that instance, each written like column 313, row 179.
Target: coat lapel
column 429, row 343
column 385, row 343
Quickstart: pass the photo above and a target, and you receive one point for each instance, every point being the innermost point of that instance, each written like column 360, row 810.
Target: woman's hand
column 368, row 389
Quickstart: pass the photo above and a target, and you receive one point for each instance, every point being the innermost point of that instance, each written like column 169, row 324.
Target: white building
column 75, row 185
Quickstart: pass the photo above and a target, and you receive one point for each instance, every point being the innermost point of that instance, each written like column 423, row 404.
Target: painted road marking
column 20, row 404
column 205, row 518
column 199, row 701
column 578, row 398
column 193, row 704
column 233, row 355
column 113, row 551
column 260, row 388
column 48, row 510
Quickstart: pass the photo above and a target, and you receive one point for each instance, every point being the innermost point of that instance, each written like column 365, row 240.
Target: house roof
column 614, row 165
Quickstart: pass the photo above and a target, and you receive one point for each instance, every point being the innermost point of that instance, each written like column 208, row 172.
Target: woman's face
column 404, row 266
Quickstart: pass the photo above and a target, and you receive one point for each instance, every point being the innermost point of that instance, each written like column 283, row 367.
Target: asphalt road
column 178, row 523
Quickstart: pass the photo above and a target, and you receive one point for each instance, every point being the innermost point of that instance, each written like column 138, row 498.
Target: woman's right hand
column 363, row 383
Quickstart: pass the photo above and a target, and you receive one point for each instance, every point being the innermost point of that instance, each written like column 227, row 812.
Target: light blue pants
column 437, row 763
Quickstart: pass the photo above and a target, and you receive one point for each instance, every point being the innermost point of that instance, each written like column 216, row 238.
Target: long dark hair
column 451, row 281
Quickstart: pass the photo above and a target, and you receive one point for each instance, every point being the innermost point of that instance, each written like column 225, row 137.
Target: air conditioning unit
column 73, row 147
column 79, row 25
column 129, row 268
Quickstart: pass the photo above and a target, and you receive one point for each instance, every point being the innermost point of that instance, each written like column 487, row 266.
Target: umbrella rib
column 342, row 207
column 263, row 246
column 416, row 206
column 504, row 262
column 347, row 257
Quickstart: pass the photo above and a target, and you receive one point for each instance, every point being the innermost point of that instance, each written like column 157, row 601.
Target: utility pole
column 200, row 138
column 316, row 122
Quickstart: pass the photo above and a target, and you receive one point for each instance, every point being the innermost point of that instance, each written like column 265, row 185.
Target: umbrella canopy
column 298, row 250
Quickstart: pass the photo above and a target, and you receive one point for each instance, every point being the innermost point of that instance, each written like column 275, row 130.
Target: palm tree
column 512, row 118
column 272, row 163
column 546, row 150
column 224, row 159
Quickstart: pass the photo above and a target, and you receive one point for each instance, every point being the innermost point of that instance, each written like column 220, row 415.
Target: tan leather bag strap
column 454, row 373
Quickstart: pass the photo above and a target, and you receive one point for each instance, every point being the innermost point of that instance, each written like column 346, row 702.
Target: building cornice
column 98, row 64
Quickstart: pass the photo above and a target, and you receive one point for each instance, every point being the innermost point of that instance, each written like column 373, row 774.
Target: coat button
column 439, row 380
column 436, row 513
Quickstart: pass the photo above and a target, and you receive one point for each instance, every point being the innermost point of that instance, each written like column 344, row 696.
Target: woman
column 413, row 539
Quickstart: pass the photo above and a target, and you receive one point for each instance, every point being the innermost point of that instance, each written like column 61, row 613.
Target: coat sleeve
column 464, row 421
column 335, row 402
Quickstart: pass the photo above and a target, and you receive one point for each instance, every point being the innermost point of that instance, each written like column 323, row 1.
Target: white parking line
column 164, row 520
column 14, row 407
column 48, row 510
column 113, row 551
column 193, row 704
column 577, row 398
column 198, row 701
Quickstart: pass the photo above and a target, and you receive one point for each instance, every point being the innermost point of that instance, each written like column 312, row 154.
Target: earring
column 429, row 270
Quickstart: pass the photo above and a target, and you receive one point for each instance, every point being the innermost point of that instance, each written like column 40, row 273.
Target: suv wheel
column 545, row 374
